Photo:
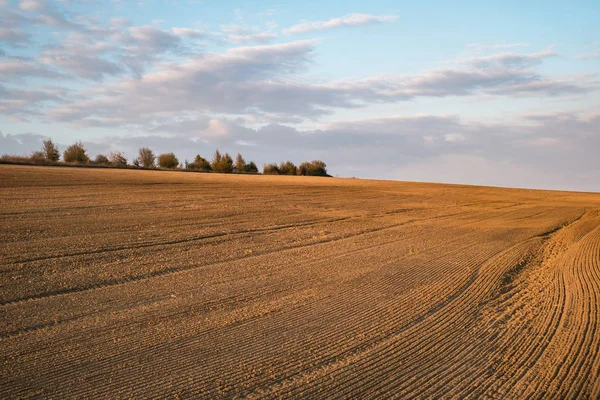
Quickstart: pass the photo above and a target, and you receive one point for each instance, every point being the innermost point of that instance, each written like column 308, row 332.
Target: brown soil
column 121, row 284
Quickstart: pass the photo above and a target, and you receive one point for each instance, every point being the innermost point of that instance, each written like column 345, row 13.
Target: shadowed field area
column 123, row 283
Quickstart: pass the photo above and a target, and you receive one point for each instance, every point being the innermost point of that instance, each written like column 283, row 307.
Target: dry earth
column 131, row 284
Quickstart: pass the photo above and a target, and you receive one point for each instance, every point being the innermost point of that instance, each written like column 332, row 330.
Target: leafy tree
column 50, row 150
column 76, row 153
column 117, row 159
column 313, row 168
column 303, row 169
column 318, row 168
column 146, row 157
column 271, row 169
column 200, row 164
column 251, row 168
column 168, row 160
column 287, row 168
column 222, row 162
column 240, row 164
column 217, row 156
column 227, row 164
column 101, row 159
column 216, row 161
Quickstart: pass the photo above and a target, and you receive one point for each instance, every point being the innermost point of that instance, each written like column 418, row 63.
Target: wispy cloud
column 498, row 46
column 259, row 81
column 187, row 32
column 589, row 56
column 239, row 34
column 346, row 20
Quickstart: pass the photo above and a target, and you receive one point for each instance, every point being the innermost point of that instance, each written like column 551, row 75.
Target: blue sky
column 464, row 92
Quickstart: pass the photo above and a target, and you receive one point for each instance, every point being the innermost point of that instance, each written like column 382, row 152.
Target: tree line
column 146, row 158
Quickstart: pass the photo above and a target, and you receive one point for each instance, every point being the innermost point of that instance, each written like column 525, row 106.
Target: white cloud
column 454, row 137
column 154, row 37
column 259, row 81
column 262, row 37
column 187, row 32
column 239, row 34
column 15, row 69
column 32, row 5
column 510, row 60
column 346, row 20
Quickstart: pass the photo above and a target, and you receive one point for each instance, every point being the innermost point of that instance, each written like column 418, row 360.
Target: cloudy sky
column 465, row 92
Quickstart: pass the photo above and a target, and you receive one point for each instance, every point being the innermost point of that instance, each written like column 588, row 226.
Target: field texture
column 121, row 284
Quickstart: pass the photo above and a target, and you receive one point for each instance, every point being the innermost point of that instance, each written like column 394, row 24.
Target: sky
column 489, row 93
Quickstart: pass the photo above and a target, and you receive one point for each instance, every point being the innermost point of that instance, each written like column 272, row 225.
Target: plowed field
column 143, row 284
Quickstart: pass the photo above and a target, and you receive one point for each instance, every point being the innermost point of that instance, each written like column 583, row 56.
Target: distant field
column 139, row 284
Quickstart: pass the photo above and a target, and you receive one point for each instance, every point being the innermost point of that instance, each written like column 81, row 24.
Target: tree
column 101, row 159
column 216, row 161
column 146, row 157
column 251, row 168
column 313, row 168
column 168, row 160
column 240, row 164
column 200, row 164
column 271, row 169
column 222, row 162
column 76, row 153
column 117, row 159
column 50, row 150
column 287, row 168
column 227, row 164
column 318, row 168
column 303, row 169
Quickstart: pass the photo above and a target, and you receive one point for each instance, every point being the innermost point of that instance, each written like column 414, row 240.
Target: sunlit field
column 139, row 284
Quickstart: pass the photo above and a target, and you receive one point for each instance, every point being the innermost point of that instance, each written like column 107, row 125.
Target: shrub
column 117, row 159
column 101, row 159
column 271, row 169
column 222, row 162
column 168, row 160
column 251, row 168
column 240, row 164
column 50, row 151
column 146, row 157
column 15, row 158
column 38, row 156
column 76, row 153
column 287, row 168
